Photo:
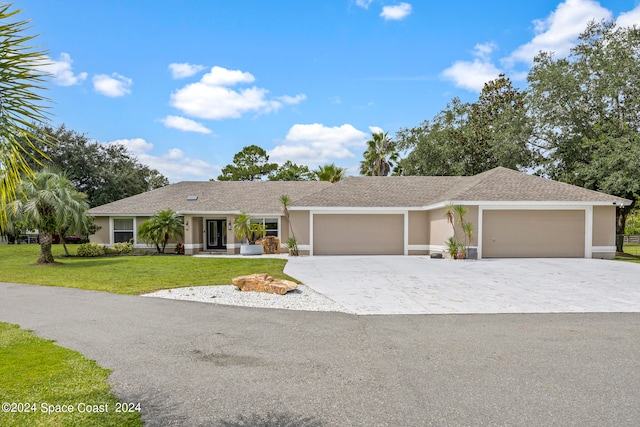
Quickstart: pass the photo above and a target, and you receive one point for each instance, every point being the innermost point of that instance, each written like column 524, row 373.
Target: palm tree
column 330, row 172
column 381, row 155
column 161, row 227
column 292, row 243
column 49, row 203
column 21, row 107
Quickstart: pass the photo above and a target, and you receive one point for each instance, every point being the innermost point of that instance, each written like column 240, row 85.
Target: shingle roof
column 256, row 197
column 499, row 184
column 263, row 197
column 502, row 184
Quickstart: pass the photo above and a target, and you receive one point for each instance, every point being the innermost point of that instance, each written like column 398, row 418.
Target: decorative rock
column 263, row 283
column 271, row 244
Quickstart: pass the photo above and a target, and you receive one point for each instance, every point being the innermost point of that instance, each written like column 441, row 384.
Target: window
column 122, row 230
column 270, row 225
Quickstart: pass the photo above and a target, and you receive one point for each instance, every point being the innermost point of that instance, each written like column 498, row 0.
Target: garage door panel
column 532, row 233
column 355, row 234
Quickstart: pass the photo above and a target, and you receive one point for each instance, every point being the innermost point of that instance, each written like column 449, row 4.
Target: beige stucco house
column 514, row 215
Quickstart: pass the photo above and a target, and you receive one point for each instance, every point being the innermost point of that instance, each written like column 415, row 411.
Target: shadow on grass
column 75, row 263
column 271, row 420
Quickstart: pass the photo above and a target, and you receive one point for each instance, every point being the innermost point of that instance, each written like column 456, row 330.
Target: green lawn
column 43, row 378
column 632, row 249
column 631, row 253
column 128, row 274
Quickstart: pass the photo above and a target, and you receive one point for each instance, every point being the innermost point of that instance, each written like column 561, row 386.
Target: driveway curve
column 421, row 285
column 198, row 364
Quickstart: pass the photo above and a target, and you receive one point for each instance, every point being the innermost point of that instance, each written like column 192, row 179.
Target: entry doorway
column 216, row 234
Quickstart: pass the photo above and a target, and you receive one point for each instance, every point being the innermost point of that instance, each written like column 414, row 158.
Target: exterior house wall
column 439, row 230
column 300, row 221
column 418, row 232
column 139, row 243
column 193, row 235
column 604, row 232
column 102, row 236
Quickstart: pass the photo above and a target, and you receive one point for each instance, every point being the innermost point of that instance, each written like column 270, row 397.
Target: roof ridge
column 471, row 182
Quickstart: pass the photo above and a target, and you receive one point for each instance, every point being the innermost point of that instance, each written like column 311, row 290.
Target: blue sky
column 186, row 84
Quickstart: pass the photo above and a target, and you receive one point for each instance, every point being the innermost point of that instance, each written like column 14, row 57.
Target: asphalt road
column 195, row 364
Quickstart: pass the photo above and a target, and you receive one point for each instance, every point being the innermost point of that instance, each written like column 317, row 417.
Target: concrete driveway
column 420, row 285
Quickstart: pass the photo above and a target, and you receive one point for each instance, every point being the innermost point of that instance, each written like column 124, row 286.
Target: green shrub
column 90, row 250
column 123, row 248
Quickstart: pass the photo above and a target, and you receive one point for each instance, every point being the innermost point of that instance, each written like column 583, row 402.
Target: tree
column 470, row 138
column 587, row 111
column 161, row 227
column 250, row 164
column 21, row 107
column 380, row 157
column 49, row 203
column 244, row 229
column 330, row 172
column 290, row 171
column 105, row 173
column 292, row 243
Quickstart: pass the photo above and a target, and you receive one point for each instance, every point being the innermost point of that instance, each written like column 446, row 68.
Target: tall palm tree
column 49, row 203
column 161, row 227
column 380, row 157
column 21, row 107
column 330, row 172
column 292, row 243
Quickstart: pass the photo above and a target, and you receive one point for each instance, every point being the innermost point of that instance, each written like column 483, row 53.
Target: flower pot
column 251, row 250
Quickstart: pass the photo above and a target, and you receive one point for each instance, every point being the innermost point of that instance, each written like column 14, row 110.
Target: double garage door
column 533, row 233
column 355, row 234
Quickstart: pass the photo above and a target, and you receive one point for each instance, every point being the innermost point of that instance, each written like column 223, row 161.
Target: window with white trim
column 270, row 225
column 122, row 230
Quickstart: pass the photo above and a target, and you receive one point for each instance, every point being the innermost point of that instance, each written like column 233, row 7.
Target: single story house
column 513, row 214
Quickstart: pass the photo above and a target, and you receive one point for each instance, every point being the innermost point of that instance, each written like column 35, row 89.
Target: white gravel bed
column 302, row 298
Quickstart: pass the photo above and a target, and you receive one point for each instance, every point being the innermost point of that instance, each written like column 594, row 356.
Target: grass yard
column 631, row 249
column 42, row 378
column 631, row 253
column 128, row 274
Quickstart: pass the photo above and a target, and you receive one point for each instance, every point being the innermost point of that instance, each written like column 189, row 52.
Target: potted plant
column 245, row 230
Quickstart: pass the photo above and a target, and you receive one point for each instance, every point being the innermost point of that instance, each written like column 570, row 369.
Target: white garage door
column 355, row 234
column 533, row 233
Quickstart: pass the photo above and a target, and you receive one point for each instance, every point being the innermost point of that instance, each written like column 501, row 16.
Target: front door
column 216, row 234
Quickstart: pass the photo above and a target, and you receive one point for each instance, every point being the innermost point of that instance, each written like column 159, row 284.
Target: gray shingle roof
column 499, row 184
column 263, row 197
column 257, row 197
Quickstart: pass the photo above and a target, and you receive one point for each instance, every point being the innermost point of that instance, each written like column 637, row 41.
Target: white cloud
column 314, row 144
column 396, row 12
column 629, row 19
column 61, row 70
column 174, row 164
column 376, row 129
column 292, row 100
column 363, row 3
column 558, row 32
column 184, row 124
column 114, row 85
column 182, row 70
column 213, row 98
column 472, row 75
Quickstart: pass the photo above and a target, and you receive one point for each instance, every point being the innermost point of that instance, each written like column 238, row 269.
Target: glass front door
column 216, row 234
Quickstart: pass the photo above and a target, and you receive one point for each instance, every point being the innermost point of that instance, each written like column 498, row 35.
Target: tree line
column 577, row 121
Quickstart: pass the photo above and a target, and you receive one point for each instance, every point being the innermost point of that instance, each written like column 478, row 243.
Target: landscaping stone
column 271, row 244
column 263, row 283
